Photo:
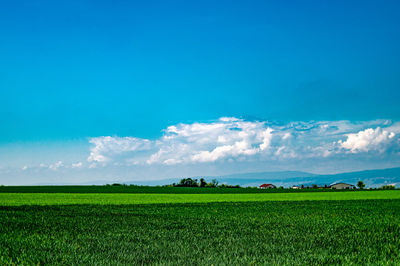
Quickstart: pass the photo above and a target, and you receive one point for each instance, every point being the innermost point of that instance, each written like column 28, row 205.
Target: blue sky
column 74, row 71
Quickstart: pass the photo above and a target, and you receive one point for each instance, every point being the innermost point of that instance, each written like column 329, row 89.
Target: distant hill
column 243, row 178
column 372, row 178
column 261, row 175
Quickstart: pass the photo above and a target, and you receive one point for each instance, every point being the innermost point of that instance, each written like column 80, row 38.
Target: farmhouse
column 342, row 186
column 264, row 186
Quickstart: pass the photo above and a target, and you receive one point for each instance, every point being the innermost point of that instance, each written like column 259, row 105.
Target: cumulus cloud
column 187, row 143
column 209, row 142
column 230, row 139
column 368, row 139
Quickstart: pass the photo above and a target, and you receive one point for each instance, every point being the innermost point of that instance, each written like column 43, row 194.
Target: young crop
column 297, row 232
column 15, row 199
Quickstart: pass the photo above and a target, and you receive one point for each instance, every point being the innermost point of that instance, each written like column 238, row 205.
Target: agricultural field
column 360, row 227
column 16, row 199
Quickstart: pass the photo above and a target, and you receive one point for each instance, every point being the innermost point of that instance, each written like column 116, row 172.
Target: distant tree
column 210, row 185
column 214, row 182
column 302, row 186
column 360, row 184
column 203, row 182
column 281, row 187
column 228, row 186
column 326, row 186
column 314, row 186
column 187, row 182
column 388, row 187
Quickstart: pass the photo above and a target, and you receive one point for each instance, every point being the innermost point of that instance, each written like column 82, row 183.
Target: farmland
column 353, row 227
column 301, row 232
column 15, row 199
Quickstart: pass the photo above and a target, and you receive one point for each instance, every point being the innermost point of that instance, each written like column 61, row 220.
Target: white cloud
column 229, row 139
column 188, row 143
column 105, row 147
column 77, row 165
column 368, row 139
column 56, row 165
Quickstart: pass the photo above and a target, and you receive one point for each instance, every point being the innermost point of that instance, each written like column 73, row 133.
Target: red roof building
column 267, row 186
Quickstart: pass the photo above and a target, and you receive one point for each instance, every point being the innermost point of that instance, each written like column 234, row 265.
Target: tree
column 203, row 182
column 314, row 186
column 210, row 185
column 302, row 186
column 361, row 184
column 388, row 187
column 214, row 182
column 188, row 182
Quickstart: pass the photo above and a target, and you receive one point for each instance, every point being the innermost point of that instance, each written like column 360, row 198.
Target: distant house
column 264, row 186
column 342, row 186
column 296, row 187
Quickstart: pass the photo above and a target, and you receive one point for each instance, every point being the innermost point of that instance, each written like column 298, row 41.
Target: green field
column 302, row 232
column 359, row 227
column 16, row 199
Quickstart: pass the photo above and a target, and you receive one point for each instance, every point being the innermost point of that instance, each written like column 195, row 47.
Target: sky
column 96, row 91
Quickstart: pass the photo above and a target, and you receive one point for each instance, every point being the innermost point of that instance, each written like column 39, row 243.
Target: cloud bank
column 230, row 139
column 224, row 146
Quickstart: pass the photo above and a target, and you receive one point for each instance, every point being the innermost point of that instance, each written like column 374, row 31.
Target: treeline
column 191, row 182
column 388, row 187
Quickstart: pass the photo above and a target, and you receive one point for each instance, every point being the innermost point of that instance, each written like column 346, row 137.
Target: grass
column 355, row 227
column 17, row 199
column 271, row 232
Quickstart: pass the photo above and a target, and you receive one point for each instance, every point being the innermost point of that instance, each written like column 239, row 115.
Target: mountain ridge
column 371, row 177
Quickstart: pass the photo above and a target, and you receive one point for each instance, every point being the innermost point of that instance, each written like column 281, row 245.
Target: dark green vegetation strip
column 149, row 189
column 307, row 232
